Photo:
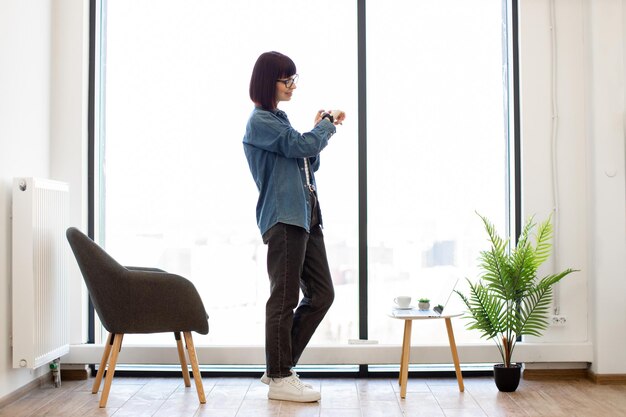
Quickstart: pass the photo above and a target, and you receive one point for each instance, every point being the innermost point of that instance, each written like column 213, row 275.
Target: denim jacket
column 275, row 153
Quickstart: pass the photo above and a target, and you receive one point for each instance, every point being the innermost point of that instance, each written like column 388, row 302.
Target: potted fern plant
column 509, row 300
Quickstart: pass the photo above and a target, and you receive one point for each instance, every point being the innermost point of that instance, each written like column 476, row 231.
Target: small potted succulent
column 423, row 304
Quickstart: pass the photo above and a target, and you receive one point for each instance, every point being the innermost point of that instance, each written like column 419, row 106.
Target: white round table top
column 415, row 314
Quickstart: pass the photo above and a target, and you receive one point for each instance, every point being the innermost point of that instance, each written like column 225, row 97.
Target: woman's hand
column 318, row 116
column 338, row 115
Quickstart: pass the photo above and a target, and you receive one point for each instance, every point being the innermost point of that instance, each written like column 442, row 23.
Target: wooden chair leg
column 181, row 358
column 103, row 364
column 117, row 346
column 194, row 366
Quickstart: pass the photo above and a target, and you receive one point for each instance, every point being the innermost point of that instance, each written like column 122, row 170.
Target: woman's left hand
column 318, row 116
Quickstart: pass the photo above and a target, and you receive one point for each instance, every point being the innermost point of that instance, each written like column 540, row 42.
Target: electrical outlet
column 558, row 321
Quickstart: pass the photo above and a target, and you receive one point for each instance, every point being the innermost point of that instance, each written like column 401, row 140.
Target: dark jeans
column 296, row 260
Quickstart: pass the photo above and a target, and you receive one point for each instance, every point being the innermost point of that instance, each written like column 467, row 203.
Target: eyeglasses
column 289, row 82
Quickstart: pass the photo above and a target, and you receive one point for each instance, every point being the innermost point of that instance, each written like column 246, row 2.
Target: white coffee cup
column 402, row 301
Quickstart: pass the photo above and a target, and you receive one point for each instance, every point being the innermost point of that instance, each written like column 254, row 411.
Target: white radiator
column 40, row 272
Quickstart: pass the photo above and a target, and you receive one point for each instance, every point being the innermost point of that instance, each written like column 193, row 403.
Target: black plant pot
column 507, row 379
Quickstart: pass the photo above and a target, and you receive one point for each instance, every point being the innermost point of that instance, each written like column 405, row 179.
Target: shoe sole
column 296, row 400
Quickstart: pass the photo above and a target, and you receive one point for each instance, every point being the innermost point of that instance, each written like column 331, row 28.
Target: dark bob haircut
column 269, row 67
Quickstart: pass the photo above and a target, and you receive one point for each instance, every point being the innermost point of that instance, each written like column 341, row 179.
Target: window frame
column 97, row 17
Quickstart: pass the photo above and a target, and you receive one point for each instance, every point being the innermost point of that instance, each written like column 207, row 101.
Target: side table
column 408, row 317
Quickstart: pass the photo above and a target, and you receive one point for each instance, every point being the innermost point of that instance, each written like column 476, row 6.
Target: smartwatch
column 329, row 117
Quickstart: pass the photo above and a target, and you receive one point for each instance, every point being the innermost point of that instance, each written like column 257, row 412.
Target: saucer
column 402, row 308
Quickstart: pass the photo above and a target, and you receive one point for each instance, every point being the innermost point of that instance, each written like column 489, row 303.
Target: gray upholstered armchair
column 138, row 300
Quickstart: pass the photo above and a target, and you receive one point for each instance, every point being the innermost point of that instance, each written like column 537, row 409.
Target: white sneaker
column 266, row 379
column 291, row 389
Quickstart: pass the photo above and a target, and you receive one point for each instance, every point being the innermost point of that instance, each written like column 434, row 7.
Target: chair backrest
column 135, row 299
column 100, row 272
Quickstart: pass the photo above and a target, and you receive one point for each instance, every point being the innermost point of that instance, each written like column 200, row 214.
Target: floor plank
column 343, row 397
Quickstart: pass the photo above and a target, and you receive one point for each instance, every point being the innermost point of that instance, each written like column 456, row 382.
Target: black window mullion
column 362, row 164
column 517, row 147
column 91, row 114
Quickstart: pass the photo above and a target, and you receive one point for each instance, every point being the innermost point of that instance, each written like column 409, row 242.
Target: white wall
column 556, row 151
column 69, row 72
column 43, row 47
column 588, row 90
column 606, row 179
column 24, row 138
column 41, row 127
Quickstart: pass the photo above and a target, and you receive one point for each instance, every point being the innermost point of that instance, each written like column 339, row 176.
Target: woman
column 282, row 162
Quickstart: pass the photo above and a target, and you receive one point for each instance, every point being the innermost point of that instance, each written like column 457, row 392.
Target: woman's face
column 285, row 87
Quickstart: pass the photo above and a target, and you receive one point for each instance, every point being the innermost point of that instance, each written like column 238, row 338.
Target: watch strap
column 329, row 117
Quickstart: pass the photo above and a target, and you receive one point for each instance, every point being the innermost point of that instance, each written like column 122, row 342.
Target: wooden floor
column 247, row 397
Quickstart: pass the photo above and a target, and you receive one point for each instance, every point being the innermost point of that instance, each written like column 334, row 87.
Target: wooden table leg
column 455, row 355
column 402, row 357
column 404, row 360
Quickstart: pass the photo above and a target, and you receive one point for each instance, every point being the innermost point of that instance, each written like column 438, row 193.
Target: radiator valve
column 55, row 366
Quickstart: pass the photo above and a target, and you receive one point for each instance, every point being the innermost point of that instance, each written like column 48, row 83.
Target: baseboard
column 74, row 374
column 554, row 374
column 20, row 392
column 608, row 379
column 568, row 374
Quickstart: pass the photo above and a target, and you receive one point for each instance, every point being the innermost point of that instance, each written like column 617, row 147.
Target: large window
column 436, row 150
column 174, row 189
column 177, row 191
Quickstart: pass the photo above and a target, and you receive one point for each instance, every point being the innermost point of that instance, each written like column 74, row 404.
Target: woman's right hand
column 338, row 115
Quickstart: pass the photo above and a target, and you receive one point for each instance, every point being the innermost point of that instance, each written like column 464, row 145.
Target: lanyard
column 307, row 173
